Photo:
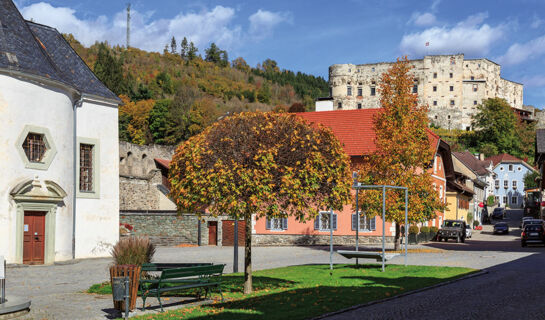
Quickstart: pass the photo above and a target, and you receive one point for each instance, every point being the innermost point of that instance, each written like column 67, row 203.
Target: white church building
column 59, row 151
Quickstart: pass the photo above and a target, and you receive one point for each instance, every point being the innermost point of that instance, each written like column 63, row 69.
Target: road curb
column 367, row 304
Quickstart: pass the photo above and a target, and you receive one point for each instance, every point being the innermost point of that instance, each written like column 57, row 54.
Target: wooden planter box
column 133, row 272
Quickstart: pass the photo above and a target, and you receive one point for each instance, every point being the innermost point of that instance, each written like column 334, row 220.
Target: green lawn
column 302, row 292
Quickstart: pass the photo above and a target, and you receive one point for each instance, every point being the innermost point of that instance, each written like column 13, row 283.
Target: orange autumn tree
column 270, row 164
column 403, row 153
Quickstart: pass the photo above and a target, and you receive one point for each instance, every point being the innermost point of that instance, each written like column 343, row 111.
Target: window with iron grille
column 277, row 224
column 86, row 167
column 322, row 222
column 34, row 146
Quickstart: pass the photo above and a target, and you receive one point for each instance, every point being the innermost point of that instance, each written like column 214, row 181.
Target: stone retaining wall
column 295, row 239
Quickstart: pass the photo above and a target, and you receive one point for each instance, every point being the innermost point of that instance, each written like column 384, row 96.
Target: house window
column 277, row 224
column 441, row 192
column 452, row 102
column 435, row 75
column 472, row 78
column 373, row 91
column 339, row 105
column 497, row 199
column 415, row 88
column 475, row 88
column 451, row 75
column 474, row 102
column 514, row 184
column 434, row 88
column 366, row 223
column 504, row 199
column 451, row 88
column 322, row 221
column 86, row 167
column 510, row 167
column 513, row 200
column 434, row 102
column 360, row 91
column 349, row 91
column 34, row 147
column 506, row 184
column 359, row 105
column 497, row 184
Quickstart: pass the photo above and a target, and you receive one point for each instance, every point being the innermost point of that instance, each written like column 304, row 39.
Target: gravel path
column 516, row 275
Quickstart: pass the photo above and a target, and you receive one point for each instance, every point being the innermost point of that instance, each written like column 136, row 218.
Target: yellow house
column 459, row 197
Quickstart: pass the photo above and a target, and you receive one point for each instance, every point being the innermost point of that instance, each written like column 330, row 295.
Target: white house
column 59, row 190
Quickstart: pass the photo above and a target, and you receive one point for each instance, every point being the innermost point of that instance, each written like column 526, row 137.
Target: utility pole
column 128, row 25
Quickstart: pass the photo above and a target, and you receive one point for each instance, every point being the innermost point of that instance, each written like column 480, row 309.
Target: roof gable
column 476, row 165
column 507, row 158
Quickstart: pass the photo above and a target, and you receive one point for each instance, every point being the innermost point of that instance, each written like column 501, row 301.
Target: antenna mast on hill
column 128, row 25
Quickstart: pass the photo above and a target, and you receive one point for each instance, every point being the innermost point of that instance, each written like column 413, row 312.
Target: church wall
column 97, row 220
column 26, row 103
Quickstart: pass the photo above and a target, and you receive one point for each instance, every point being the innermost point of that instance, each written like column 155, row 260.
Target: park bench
column 205, row 276
column 366, row 255
column 150, row 267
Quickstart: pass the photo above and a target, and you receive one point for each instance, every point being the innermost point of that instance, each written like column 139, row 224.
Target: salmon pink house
column 354, row 129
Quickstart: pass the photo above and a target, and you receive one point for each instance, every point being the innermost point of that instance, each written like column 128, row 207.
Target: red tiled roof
column 163, row 162
column 502, row 158
column 354, row 129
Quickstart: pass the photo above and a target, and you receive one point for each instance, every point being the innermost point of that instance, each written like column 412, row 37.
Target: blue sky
column 309, row 36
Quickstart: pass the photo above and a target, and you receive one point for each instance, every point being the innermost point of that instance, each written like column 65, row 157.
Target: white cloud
column 470, row 36
column 536, row 22
column 423, row 19
column 216, row 25
column 263, row 22
column 518, row 53
column 534, row 81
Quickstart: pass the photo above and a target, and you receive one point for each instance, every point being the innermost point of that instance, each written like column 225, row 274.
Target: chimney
column 481, row 156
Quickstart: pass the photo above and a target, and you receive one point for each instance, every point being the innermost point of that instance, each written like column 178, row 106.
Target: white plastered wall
column 24, row 103
column 97, row 220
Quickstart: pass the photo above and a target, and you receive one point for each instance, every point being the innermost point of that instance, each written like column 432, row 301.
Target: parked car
column 524, row 219
column 533, row 233
column 469, row 233
column 501, row 227
column 531, row 222
column 452, row 229
column 498, row 213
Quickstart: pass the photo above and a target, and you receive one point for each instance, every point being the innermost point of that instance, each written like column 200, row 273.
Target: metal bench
column 366, row 255
column 172, row 279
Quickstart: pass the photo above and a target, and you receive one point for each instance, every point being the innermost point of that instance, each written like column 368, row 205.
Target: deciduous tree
column 403, row 153
column 262, row 164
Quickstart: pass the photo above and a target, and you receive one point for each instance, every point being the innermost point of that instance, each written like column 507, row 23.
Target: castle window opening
column 359, row 105
column 475, row 87
column 472, row 78
column 451, row 102
column 349, row 91
column 360, row 91
column 373, row 91
column 451, row 75
column 434, row 88
column 435, row 75
column 474, row 102
column 451, row 88
column 435, row 103
column 339, row 105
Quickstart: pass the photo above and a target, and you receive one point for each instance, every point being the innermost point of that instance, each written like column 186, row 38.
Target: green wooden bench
column 150, row 267
column 172, row 279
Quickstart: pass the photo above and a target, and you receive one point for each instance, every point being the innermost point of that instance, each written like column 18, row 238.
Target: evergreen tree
column 184, row 48
column 173, row 46
column 213, row 53
column 109, row 70
column 192, row 51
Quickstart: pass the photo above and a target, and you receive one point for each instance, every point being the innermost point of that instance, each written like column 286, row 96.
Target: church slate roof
column 39, row 50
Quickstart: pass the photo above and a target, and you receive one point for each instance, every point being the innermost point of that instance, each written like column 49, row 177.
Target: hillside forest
column 171, row 96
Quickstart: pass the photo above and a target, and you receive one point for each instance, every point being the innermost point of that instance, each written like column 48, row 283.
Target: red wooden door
column 34, row 237
column 212, row 233
column 228, row 232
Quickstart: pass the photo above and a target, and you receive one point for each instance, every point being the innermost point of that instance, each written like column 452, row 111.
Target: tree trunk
column 248, row 255
column 397, row 246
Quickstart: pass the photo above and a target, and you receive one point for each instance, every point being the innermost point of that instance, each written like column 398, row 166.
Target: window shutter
column 334, row 221
column 354, row 222
column 372, row 223
column 268, row 224
column 317, row 222
column 284, row 223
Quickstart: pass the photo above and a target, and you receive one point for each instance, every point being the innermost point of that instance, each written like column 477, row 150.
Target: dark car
column 498, row 213
column 532, row 234
column 531, row 222
column 452, row 229
column 501, row 227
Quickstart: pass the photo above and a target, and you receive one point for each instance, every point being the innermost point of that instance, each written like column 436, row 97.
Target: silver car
column 469, row 232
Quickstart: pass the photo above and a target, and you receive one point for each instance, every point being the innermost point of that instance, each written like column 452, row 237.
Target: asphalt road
column 514, row 287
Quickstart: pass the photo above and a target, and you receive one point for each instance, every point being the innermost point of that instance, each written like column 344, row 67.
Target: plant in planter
column 129, row 254
column 413, row 232
column 424, row 234
column 433, row 233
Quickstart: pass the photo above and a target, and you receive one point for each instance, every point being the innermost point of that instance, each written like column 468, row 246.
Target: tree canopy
column 403, row 153
column 263, row 164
